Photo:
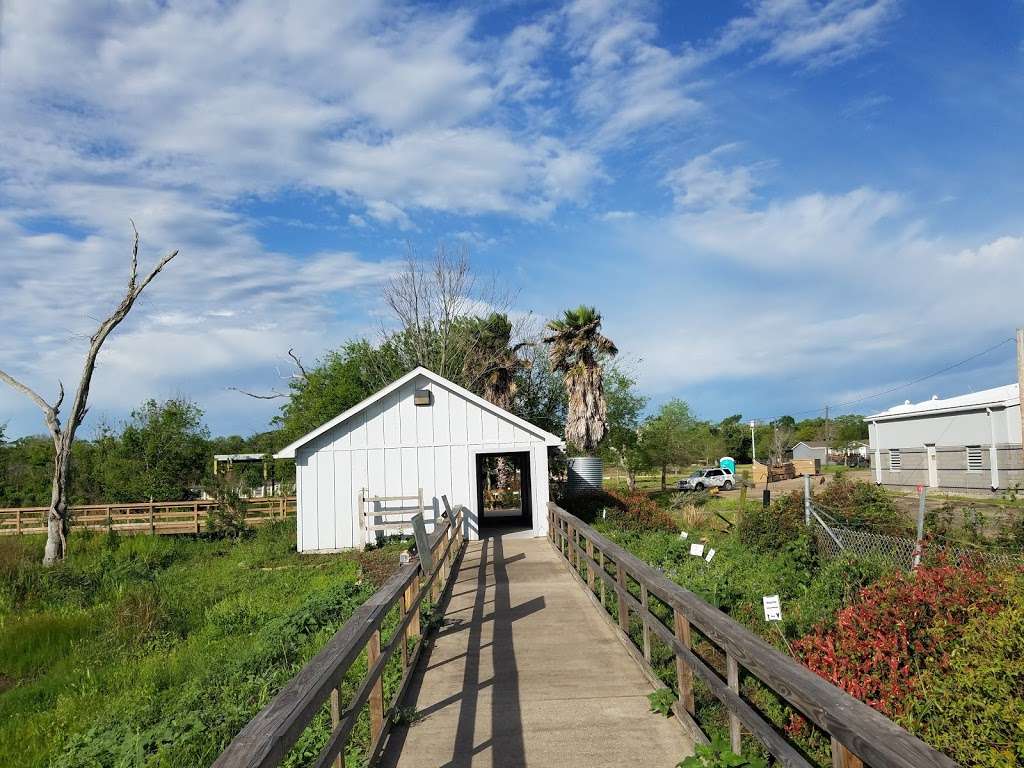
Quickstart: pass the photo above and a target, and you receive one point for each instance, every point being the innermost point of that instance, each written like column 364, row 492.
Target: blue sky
column 777, row 204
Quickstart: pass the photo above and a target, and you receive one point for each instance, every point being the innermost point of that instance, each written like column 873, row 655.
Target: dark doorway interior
column 503, row 490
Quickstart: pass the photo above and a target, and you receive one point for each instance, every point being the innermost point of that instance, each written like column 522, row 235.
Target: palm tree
column 492, row 364
column 492, row 361
column 576, row 350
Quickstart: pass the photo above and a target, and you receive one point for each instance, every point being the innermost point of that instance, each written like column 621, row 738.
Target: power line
column 898, row 387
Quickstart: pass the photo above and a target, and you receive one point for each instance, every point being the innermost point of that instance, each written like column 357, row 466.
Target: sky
column 777, row 205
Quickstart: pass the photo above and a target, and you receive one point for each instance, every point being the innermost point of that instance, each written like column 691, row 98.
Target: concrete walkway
column 525, row 671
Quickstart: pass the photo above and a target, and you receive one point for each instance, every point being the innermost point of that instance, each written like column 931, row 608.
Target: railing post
column 195, row 516
column 152, row 519
column 620, row 577
column 733, row 675
column 684, row 675
column 601, row 555
column 410, row 598
column 844, row 758
column 590, row 569
column 643, row 623
column 376, row 702
column 335, row 719
column 405, row 632
column 17, row 521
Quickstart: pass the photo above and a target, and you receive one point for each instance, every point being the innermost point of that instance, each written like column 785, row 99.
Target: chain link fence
column 834, row 540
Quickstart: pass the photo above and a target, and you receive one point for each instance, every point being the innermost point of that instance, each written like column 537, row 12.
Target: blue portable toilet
column 728, row 462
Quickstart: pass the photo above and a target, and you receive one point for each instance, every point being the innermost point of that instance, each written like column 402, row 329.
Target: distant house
column 970, row 442
column 811, row 449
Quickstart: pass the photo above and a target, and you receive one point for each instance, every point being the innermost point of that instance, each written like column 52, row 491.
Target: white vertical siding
column 326, row 514
column 392, row 447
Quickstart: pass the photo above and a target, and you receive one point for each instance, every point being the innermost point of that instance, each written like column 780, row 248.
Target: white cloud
column 805, row 32
column 1000, row 253
column 702, row 182
column 624, row 81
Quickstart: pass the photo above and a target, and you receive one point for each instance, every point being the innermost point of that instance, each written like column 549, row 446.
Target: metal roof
column 1002, row 397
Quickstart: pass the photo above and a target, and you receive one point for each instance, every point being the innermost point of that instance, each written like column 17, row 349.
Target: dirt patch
column 377, row 565
column 6, row 683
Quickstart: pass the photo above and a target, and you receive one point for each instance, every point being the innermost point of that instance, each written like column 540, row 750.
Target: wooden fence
column 268, row 737
column 153, row 517
column 859, row 735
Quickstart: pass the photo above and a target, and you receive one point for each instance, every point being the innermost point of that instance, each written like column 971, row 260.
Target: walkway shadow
column 492, row 604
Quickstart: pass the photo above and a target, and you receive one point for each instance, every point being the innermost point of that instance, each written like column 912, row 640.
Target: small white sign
column 604, row 514
column 697, row 550
column 709, row 555
column 772, row 608
column 684, row 535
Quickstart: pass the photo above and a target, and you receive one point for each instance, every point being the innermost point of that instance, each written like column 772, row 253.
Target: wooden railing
column 155, row 517
column 267, row 738
column 859, row 735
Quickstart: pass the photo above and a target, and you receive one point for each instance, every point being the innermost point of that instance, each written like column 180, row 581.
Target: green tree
column 735, row 434
column 621, row 445
column 666, row 437
column 161, row 453
column 494, row 367
column 343, row 378
column 541, row 398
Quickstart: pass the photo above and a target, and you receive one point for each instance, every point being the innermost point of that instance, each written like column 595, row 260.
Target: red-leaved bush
column 879, row 644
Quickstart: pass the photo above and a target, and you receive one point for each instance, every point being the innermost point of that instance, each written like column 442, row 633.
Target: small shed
column 811, row 449
column 421, row 437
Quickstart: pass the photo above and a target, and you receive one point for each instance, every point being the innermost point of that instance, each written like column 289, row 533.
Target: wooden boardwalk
column 526, row 672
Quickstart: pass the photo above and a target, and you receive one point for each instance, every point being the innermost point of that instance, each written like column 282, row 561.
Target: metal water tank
column 586, row 475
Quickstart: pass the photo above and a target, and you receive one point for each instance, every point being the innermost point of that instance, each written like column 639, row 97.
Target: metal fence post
column 920, row 527
column 807, row 500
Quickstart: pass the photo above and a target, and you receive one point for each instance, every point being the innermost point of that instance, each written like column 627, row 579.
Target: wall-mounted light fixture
column 422, row 397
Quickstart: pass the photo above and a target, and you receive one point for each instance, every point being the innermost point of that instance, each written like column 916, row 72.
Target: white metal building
column 969, row 442
column 421, row 432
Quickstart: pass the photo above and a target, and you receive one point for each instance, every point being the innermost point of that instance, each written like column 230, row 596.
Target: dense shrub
column 861, row 504
column 766, row 529
column 877, row 647
column 973, row 706
column 634, row 511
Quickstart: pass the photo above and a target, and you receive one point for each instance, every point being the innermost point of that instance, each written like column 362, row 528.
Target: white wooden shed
column 420, row 433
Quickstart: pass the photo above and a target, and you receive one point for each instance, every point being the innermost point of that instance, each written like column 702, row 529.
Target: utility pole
column 753, row 447
column 1020, row 378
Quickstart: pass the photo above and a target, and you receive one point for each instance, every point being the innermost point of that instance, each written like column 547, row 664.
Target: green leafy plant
column 405, row 715
column 662, row 701
column 766, row 529
column 972, row 706
column 878, row 646
column 717, row 754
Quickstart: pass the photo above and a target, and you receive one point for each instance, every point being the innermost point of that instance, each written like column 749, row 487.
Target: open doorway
column 503, row 489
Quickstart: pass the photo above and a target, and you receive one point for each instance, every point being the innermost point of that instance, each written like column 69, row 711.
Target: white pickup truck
column 716, row 477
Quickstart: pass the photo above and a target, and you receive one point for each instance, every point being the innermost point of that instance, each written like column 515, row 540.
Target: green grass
column 155, row 651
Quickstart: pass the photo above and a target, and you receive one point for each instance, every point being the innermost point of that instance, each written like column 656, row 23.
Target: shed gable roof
column 288, row 452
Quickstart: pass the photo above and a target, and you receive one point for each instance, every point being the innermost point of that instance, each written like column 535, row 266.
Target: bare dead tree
column 435, row 301
column 275, row 394
column 63, row 432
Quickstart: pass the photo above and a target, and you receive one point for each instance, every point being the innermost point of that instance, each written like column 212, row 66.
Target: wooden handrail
column 858, row 732
column 268, row 737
